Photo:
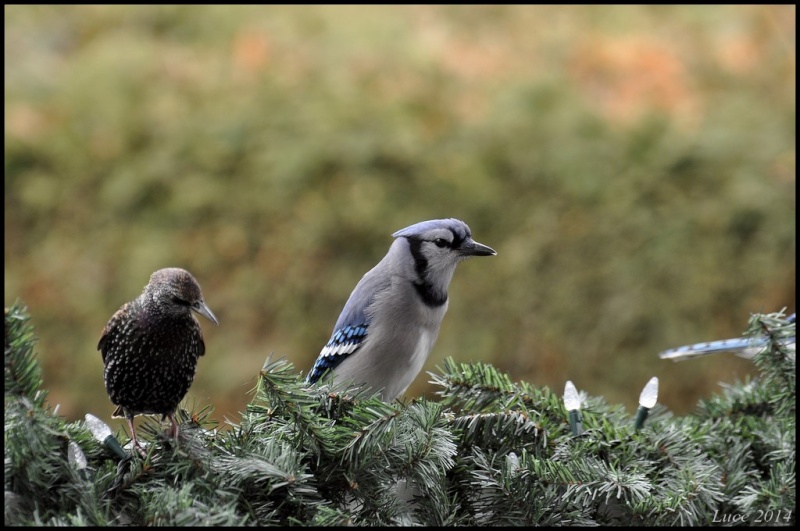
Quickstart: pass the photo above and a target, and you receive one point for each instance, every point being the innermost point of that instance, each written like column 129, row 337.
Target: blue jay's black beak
column 473, row 248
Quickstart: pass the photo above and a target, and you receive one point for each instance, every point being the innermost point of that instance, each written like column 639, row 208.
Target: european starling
column 150, row 348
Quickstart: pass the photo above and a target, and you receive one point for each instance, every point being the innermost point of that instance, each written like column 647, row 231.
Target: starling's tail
column 119, row 413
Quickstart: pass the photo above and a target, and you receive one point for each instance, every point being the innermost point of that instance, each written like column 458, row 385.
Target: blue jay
column 744, row 347
column 391, row 320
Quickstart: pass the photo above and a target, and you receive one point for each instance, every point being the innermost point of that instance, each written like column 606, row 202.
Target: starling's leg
column 173, row 431
column 133, row 437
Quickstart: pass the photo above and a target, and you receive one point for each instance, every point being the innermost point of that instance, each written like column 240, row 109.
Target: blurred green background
column 633, row 166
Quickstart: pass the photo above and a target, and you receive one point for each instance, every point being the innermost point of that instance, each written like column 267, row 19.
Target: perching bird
column 150, row 348
column 744, row 347
column 391, row 320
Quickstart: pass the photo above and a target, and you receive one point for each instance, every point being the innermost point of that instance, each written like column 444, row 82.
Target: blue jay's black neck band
column 429, row 295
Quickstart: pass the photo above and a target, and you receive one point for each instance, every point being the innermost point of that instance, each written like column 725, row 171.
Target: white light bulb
column 513, row 462
column 572, row 400
column 649, row 394
column 99, row 429
column 102, row 433
column 75, row 456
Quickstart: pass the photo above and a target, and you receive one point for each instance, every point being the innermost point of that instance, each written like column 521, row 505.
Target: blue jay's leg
column 745, row 347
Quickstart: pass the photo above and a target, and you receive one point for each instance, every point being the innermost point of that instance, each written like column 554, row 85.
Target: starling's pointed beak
column 201, row 308
column 473, row 248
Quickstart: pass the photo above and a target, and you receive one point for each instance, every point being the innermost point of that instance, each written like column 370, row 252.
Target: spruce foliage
column 489, row 452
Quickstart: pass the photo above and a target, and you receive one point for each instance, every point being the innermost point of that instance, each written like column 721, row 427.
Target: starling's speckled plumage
column 150, row 347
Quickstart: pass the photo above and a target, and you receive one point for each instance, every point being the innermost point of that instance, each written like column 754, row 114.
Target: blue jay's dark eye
column 441, row 242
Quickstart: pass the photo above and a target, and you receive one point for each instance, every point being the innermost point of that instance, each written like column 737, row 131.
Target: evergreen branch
column 777, row 362
column 23, row 376
column 471, row 387
column 502, row 431
column 492, row 452
column 282, row 404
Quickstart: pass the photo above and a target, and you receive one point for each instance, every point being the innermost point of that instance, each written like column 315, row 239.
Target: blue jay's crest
column 744, row 347
column 459, row 229
column 344, row 342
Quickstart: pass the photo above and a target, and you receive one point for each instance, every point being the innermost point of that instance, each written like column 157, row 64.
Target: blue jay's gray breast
column 401, row 336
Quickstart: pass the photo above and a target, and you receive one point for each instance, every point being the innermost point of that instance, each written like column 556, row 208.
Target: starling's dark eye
column 178, row 300
column 441, row 242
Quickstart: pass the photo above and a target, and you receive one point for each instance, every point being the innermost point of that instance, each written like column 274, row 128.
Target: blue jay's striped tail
column 745, row 347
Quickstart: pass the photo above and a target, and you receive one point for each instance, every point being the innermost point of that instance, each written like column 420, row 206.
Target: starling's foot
column 135, row 442
column 139, row 449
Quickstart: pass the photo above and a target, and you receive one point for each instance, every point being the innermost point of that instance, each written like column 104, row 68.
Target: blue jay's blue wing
column 745, row 347
column 351, row 328
column 343, row 343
